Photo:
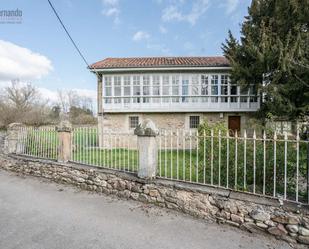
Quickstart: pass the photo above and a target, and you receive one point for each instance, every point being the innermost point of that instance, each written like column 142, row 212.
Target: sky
column 36, row 49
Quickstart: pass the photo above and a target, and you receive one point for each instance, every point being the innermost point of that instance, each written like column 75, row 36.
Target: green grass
column 121, row 159
column 41, row 143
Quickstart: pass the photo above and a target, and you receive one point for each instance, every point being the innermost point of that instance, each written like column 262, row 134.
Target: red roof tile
column 139, row 62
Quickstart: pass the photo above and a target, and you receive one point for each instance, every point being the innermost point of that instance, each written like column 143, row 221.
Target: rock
column 121, row 185
column 223, row 214
column 288, row 239
column 303, row 231
column 278, row 230
column 235, row 224
column 261, row 225
column 143, row 198
column 293, row 235
column 134, row 196
column 283, row 218
column 174, row 206
column 270, row 223
column 251, row 227
column 211, row 200
column 248, row 219
column 303, row 239
column 305, row 222
column 160, row 199
column 229, row 207
column 236, row 218
column 79, row 179
column 292, row 228
column 259, row 215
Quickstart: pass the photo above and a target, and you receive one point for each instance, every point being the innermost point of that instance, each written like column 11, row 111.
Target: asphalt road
column 37, row 214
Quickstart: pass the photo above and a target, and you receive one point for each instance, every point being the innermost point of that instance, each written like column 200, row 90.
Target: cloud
column 162, row 30
column 111, row 9
column 174, row 13
column 22, row 63
column 140, row 35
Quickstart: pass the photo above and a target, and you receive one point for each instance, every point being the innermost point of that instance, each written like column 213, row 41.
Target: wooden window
column 146, row 88
column 194, row 122
column 224, row 87
column 185, row 88
column 134, row 120
column 156, row 88
column 107, row 89
column 127, row 88
column 166, row 88
column 175, row 88
column 117, row 89
column 214, row 87
column 194, row 88
column 136, row 88
column 204, row 84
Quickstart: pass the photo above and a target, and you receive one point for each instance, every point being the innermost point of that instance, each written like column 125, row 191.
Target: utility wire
column 80, row 53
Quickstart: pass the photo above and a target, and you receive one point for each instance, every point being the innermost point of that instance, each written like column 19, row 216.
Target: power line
column 80, row 53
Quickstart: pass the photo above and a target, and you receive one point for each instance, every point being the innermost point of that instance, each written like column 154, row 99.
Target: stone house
column 174, row 92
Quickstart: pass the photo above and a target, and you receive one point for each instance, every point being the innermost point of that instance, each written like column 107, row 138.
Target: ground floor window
column 194, row 122
column 133, row 122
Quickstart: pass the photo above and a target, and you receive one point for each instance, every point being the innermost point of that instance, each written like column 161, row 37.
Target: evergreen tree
column 273, row 55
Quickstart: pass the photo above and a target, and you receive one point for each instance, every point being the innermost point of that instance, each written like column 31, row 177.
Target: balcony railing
column 183, row 103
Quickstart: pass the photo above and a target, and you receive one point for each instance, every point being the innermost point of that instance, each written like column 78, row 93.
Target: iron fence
column 41, row 142
column 268, row 165
column 112, row 150
column 273, row 165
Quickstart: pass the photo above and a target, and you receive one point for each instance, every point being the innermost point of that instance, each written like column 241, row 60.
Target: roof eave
column 184, row 68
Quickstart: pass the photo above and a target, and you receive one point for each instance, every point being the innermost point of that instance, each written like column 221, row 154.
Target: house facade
column 174, row 92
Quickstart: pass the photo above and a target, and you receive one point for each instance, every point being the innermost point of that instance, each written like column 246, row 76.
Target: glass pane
column 156, row 80
column 127, row 91
column 136, row 90
column 117, row 91
column 136, row 80
column 107, row 81
column 175, row 80
column 224, row 90
column 233, row 90
column 175, row 90
column 156, row 90
column 214, row 79
column 108, row 91
column 165, row 79
column 126, row 80
column 214, row 90
column 165, row 90
column 146, row 90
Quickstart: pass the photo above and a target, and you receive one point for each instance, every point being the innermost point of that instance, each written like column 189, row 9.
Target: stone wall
column 253, row 213
column 120, row 121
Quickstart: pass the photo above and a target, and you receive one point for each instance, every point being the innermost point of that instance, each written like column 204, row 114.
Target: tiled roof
column 142, row 62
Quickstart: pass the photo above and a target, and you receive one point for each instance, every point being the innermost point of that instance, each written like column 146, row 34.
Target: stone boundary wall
column 286, row 221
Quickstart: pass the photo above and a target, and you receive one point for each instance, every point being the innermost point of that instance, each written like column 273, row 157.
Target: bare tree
column 22, row 103
column 79, row 108
column 21, row 97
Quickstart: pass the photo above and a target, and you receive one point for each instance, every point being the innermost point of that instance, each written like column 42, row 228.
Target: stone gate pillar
column 148, row 149
column 14, row 131
column 64, row 134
